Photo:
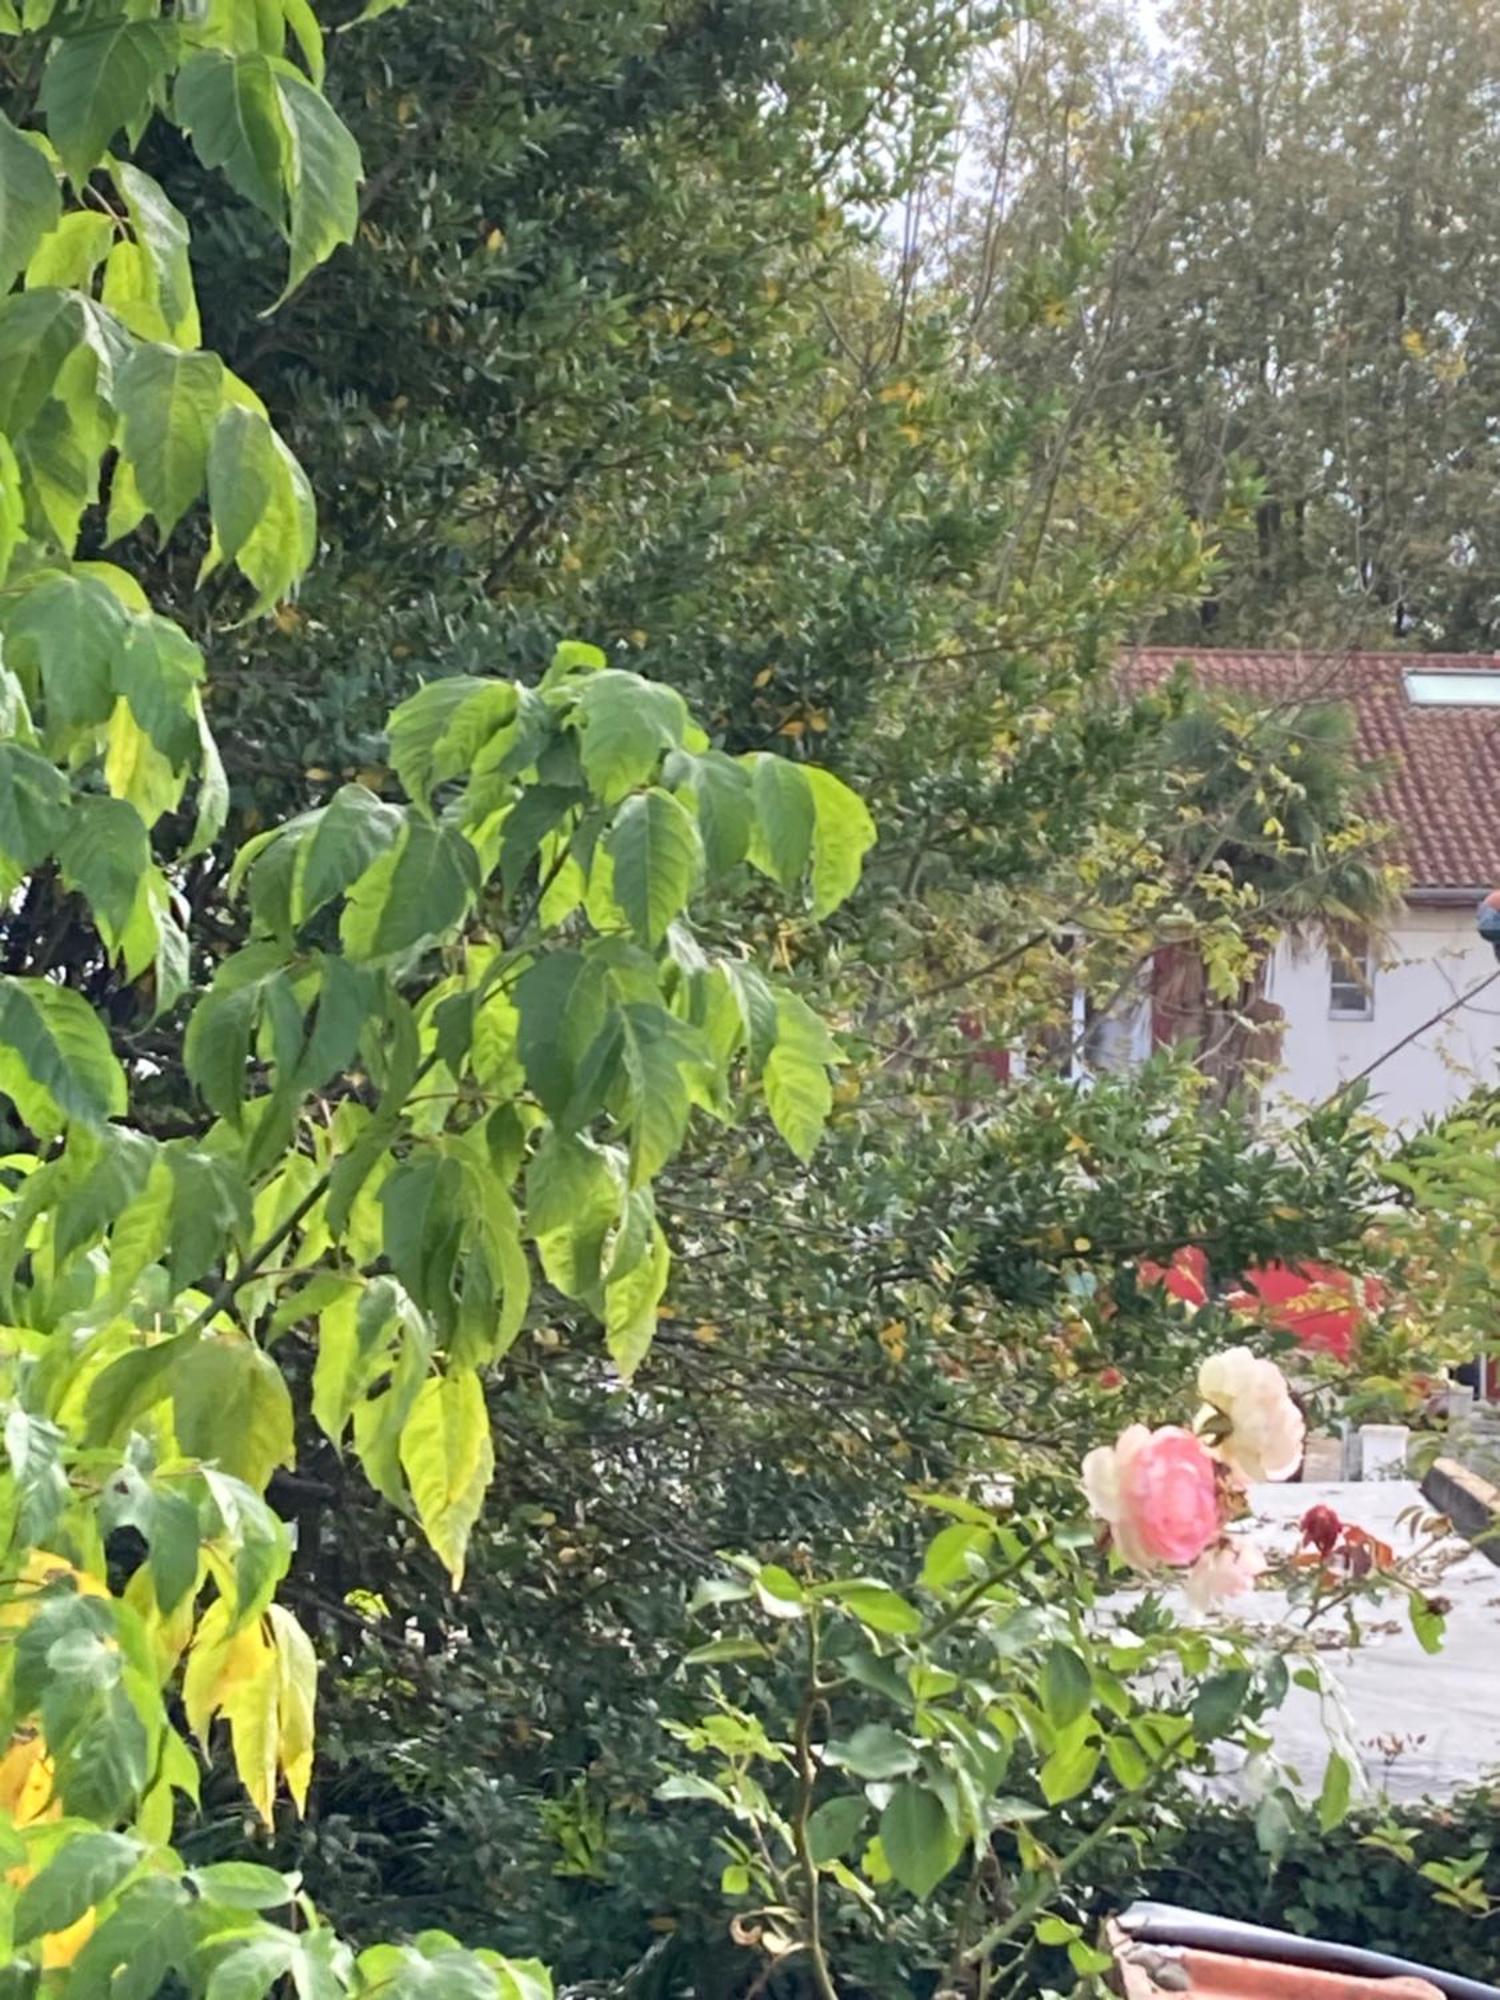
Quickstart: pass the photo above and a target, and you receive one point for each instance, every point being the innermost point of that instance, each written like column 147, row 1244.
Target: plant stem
column 1042, row 1894
column 807, row 1776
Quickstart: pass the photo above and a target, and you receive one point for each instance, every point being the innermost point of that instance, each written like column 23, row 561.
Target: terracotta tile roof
column 1440, row 790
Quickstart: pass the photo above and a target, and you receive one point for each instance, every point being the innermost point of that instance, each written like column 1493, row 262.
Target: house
column 1417, row 1008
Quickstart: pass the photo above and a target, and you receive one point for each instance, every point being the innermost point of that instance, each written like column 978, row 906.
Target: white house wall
column 1427, row 960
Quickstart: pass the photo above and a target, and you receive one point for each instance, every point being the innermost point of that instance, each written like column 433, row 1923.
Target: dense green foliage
column 1277, row 246
column 481, row 1142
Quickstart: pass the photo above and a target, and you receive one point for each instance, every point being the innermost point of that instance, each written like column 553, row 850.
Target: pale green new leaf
column 657, row 859
column 152, row 287
column 12, row 528
column 448, row 1460
column 843, row 833
column 169, row 403
column 799, row 1095
column 230, row 1406
column 56, row 1064
column 71, row 251
column 630, row 1303
column 29, row 202
column 213, row 788
column 99, row 80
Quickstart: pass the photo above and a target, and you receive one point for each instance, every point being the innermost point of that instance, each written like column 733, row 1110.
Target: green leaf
column 29, row 202
column 874, row 1752
column 918, row 1838
column 231, row 1407
column 1068, row 1771
column 248, row 1970
column 1127, row 1762
column 244, row 1885
column 350, row 833
column 669, row 1069
column 1217, row 1705
column 105, row 857
column 630, row 1303
column 721, row 794
column 131, row 1384
column 413, row 892
column 799, row 1094
column 1067, row 1690
column 262, row 507
column 56, row 1064
column 325, row 178
column 1427, row 1624
column 71, row 251
column 161, row 304
column 785, row 818
column 34, row 806
column 626, row 725
column 131, row 1956
column 440, row 732
column 231, row 108
column 843, row 833
column 561, row 1001
column 216, row 1048
column 81, row 1874
column 97, row 81
column 835, row 1826
column 1338, row 1787
column 657, row 857
column 949, row 1553
column 169, row 403
column 875, row 1605
column 448, row 1459
column 69, row 632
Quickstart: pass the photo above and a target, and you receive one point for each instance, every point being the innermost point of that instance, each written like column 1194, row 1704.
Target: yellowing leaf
column 296, row 1698
column 448, row 1460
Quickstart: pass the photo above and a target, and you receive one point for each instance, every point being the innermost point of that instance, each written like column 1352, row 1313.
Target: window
column 1452, row 688
column 1351, row 975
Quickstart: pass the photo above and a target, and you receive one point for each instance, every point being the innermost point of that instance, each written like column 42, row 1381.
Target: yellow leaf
column 448, row 1459
column 296, row 1698
column 136, row 770
column 766, row 675
column 236, row 1678
column 26, row 1781
column 495, row 241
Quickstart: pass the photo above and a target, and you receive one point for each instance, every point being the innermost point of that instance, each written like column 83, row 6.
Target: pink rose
column 1228, row 1569
column 1156, row 1489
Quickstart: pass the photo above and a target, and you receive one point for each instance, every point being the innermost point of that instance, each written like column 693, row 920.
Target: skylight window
column 1453, row 690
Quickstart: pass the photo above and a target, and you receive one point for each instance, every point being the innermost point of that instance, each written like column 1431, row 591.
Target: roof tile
column 1440, row 788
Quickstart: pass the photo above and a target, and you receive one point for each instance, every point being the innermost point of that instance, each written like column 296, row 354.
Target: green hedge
column 1338, row 1887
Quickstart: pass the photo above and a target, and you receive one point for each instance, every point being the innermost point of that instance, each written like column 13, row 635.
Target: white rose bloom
column 1266, row 1431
